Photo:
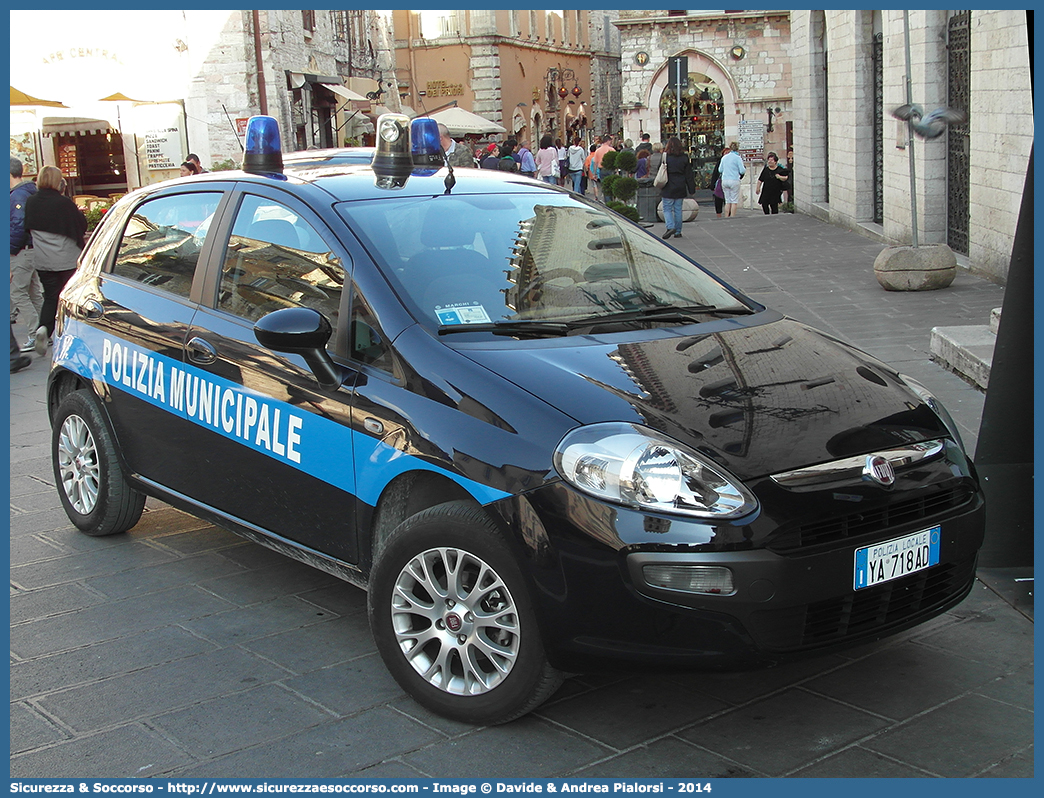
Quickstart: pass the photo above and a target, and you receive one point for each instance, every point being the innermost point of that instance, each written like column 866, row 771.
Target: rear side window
column 275, row 259
column 162, row 240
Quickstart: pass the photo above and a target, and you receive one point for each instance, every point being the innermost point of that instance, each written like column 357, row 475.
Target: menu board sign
column 163, row 148
column 162, row 127
column 67, row 160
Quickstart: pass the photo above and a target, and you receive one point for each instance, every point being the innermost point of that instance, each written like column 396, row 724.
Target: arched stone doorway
column 707, row 105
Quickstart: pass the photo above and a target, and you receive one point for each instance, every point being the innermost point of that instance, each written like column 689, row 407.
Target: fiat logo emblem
column 880, row 470
column 453, row 622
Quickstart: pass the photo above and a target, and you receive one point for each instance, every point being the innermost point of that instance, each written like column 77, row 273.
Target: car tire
column 87, row 471
column 452, row 618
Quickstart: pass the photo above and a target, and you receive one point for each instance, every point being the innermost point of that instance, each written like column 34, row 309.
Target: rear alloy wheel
column 90, row 480
column 451, row 617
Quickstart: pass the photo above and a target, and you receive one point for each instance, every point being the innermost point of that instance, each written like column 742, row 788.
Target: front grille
column 847, row 528
column 870, row 612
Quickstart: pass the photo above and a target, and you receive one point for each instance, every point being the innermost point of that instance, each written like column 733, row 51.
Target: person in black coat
column 681, row 183
column 771, row 184
column 57, row 227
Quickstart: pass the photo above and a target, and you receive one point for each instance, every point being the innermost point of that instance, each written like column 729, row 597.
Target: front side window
column 275, row 259
column 163, row 238
column 527, row 257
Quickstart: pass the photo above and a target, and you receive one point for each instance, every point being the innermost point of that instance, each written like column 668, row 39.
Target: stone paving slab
column 179, row 649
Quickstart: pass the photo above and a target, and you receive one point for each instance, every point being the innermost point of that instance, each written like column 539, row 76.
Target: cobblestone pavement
column 179, row 649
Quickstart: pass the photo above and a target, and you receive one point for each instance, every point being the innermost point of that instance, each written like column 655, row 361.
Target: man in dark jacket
column 26, row 291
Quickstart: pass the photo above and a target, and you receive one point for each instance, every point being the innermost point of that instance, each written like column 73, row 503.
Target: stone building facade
column 853, row 158
column 300, row 53
column 509, row 66
column 738, row 80
column 187, row 83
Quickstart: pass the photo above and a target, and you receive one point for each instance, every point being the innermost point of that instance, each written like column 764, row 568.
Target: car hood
column 757, row 398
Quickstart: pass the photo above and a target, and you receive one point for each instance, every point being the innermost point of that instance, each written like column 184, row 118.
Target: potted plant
column 625, row 187
column 627, row 162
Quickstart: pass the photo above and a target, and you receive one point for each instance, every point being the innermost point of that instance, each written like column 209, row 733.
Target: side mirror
column 304, row 332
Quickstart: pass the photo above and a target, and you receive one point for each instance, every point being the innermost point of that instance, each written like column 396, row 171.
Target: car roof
column 331, row 155
column 348, row 181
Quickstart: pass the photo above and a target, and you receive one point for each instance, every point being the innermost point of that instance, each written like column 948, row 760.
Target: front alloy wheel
column 77, row 462
column 450, row 613
column 91, row 482
column 455, row 621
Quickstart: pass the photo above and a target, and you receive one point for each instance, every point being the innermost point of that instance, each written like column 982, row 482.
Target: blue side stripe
column 302, row 440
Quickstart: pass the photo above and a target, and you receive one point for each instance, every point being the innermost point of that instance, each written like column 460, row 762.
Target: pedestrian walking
column 19, row 360
column 457, row 155
column 732, row 169
column 546, row 160
column 526, row 161
column 590, row 178
column 771, row 184
column 491, row 159
column 26, row 290
column 57, row 227
column 188, row 169
column 575, row 169
column 681, row 183
column 715, row 185
column 194, row 160
column 563, row 162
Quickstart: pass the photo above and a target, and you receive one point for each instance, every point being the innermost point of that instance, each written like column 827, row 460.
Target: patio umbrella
column 459, row 122
column 20, row 98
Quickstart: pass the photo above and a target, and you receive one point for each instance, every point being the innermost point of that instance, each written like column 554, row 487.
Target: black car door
column 137, row 320
column 274, row 451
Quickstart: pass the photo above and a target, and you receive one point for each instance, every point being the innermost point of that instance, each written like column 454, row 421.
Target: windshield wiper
column 535, row 328
column 660, row 313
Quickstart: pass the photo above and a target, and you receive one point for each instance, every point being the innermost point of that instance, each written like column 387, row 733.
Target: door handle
column 91, row 309
column 199, row 351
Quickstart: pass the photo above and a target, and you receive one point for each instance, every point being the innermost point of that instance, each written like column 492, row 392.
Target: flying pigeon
column 933, row 125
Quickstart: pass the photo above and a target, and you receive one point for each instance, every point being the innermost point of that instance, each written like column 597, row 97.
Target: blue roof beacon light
column 393, row 161
column 263, row 152
column 428, row 156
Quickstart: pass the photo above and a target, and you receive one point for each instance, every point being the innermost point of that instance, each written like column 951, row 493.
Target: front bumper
column 792, row 567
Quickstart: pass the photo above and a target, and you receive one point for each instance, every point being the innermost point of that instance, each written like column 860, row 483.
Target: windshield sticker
column 462, row 313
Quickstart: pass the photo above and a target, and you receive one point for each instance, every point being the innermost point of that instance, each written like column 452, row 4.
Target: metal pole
column 909, row 130
column 677, row 95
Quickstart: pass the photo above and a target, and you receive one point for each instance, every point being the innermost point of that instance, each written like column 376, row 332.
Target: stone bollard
column 923, row 268
column 690, row 208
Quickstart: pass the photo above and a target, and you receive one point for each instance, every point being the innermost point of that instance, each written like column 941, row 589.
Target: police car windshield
column 484, row 258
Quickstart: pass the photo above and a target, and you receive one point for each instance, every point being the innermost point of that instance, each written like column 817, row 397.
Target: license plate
column 883, row 562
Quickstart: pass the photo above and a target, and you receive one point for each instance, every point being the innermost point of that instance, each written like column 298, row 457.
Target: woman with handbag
column 715, row 185
column 547, row 161
column 681, row 183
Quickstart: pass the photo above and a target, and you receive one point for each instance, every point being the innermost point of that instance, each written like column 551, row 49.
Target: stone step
column 966, row 351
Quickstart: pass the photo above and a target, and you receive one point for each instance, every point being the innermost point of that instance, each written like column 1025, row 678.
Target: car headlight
column 929, row 399
column 638, row 467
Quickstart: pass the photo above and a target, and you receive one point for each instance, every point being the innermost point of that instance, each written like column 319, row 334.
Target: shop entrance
column 92, row 163
column 702, row 128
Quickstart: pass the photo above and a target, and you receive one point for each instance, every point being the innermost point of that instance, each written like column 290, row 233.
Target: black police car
column 541, row 438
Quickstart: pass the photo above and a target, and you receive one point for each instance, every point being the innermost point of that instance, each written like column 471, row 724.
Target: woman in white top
column 577, row 154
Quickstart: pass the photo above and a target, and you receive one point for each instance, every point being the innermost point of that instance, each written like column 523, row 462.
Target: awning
column 460, row 122
column 20, row 98
column 65, row 126
column 344, row 92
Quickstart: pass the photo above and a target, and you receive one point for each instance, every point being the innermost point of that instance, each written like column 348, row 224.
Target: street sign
column 751, row 139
